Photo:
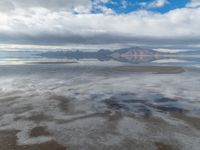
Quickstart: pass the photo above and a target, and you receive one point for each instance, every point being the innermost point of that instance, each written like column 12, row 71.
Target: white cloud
column 124, row 4
column 140, row 23
column 49, row 25
column 194, row 3
column 158, row 3
column 98, row 5
column 106, row 10
column 55, row 5
column 103, row 1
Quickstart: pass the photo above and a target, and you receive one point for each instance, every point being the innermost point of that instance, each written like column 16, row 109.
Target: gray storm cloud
column 53, row 22
column 56, row 5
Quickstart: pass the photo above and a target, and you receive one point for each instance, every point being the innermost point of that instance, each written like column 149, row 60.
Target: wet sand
column 124, row 128
column 39, row 131
column 153, row 69
column 8, row 141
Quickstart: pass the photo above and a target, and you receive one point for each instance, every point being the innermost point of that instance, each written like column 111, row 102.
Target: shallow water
column 90, row 105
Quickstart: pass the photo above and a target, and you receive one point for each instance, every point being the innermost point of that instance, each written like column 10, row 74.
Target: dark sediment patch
column 152, row 69
column 155, row 121
column 115, row 105
column 64, row 103
column 193, row 121
column 165, row 104
column 144, row 111
column 165, row 108
column 39, row 131
column 8, row 141
column 112, row 120
column 129, row 103
column 164, row 100
column 133, row 106
column 39, row 117
column 162, row 146
column 113, row 115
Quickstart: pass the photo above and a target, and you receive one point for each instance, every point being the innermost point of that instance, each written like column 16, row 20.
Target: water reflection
column 134, row 55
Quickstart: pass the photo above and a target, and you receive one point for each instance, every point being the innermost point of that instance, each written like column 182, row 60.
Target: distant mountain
column 131, row 55
column 135, row 55
column 134, row 51
column 101, row 54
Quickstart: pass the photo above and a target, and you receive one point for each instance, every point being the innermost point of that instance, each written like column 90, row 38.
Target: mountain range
column 133, row 55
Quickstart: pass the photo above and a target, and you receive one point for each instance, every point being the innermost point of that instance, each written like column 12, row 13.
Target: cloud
column 41, row 25
column 54, row 5
column 99, row 6
column 157, row 3
column 124, row 4
column 154, row 4
column 194, row 3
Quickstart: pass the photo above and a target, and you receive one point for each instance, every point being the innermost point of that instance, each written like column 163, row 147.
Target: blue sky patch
column 128, row 6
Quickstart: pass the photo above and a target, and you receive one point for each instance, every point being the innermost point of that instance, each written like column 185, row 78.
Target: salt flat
column 75, row 106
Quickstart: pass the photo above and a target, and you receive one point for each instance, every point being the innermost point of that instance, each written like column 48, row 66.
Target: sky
column 152, row 23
